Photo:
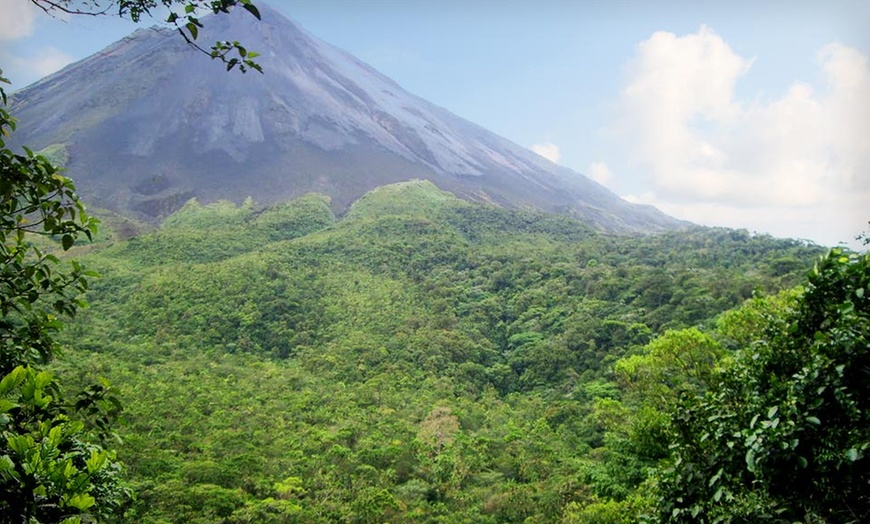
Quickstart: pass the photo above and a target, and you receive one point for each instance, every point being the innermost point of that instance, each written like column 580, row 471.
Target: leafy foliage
column 793, row 405
column 419, row 360
column 35, row 199
column 49, row 470
column 677, row 361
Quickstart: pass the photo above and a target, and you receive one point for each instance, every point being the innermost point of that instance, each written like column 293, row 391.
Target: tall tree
column 51, row 467
column 784, row 434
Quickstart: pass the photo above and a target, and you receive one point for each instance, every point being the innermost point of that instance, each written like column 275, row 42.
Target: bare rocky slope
column 148, row 123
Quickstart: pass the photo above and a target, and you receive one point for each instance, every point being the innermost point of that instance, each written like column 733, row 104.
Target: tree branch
column 49, row 7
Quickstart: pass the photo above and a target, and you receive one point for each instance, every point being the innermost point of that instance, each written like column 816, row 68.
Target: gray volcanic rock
column 149, row 122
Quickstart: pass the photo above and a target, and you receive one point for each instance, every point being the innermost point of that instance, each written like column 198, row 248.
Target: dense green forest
column 420, row 359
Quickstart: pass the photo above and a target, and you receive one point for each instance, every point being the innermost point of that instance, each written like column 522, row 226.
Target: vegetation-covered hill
column 421, row 359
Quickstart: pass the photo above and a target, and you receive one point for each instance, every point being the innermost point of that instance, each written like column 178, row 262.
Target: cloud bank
column 48, row 60
column 796, row 165
column 16, row 19
column 549, row 151
column 600, row 172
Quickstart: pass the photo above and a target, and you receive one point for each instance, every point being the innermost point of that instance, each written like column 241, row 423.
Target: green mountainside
column 420, row 359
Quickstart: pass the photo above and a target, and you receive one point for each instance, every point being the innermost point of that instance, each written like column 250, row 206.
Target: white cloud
column 22, row 70
column 17, row 19
column 599, row 172
column 48, row 60
column 549, row 151
column 793, row 164
column 813, row 223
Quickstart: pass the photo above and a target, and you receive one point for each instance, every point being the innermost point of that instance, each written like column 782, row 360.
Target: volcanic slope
column 148, row 123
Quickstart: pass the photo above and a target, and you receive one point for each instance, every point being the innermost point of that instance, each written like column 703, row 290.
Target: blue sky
column 742, row 114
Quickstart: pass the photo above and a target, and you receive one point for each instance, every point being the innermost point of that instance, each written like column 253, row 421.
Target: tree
column 36, row 200
column 784, row 433
column 51, row 467
column 678, row 360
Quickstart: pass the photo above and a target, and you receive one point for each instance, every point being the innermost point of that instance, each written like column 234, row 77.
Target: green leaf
column 43, row 379
column 191, row 27
column 813, row 420
column 853, row 454
column 12, row 380
column 251, row 8
column 772, row 411
column 82, row 501
column 716, row 477
column 20, row 443
column 97, row 461
column 6, row 464
column 67, row 242
column 69, row 470
column 55, row 435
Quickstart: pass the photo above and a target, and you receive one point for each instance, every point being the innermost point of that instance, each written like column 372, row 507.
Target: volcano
column 148, row 123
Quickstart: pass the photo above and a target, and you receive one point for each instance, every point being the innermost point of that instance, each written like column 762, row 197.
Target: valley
column 420, row 359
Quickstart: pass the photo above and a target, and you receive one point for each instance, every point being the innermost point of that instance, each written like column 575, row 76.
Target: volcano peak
column 150, row 107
